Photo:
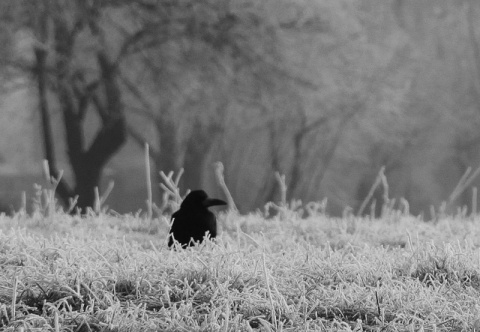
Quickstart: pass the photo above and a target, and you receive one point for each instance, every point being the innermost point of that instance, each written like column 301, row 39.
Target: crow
column 193, row 220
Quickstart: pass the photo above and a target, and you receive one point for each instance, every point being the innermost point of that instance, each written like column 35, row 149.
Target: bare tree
column 224, row 51
column 79, row 79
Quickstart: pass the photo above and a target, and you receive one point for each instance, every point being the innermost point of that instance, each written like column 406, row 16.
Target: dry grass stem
column 474, row 202
column 149, row 182
column 283, row 188
column 465, row 181
column 378, row 181
column 219, row 173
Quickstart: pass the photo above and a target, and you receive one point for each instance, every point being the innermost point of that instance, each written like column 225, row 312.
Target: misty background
column 325, row 92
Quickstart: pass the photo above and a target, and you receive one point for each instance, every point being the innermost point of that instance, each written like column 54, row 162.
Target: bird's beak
column 212, row 202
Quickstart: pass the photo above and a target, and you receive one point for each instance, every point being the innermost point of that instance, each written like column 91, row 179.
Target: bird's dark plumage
column 194, row 220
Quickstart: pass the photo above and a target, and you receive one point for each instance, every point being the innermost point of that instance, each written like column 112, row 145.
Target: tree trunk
column 269, row 192
column 89, row 169
column 87, row 164
column 298, row 160
column 295, row 175
column 197, row 152
column 87, row 179
column 169, row 156
column 63, row 189
column 194, row 164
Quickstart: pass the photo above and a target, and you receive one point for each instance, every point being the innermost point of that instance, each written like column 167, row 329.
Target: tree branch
column 138, row 95
column 113, row 133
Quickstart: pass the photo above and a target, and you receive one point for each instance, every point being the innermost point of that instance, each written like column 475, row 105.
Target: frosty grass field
column 284, row 273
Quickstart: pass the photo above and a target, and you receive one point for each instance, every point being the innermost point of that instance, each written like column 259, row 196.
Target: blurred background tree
column 66, row 58
column 326, row 92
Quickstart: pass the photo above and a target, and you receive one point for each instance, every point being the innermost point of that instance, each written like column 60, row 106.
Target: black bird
column 194, row 220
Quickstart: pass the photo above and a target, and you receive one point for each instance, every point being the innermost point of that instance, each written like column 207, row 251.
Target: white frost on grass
column 115, row 273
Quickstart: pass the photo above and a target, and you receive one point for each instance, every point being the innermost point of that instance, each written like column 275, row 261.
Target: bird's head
column 199, row 198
